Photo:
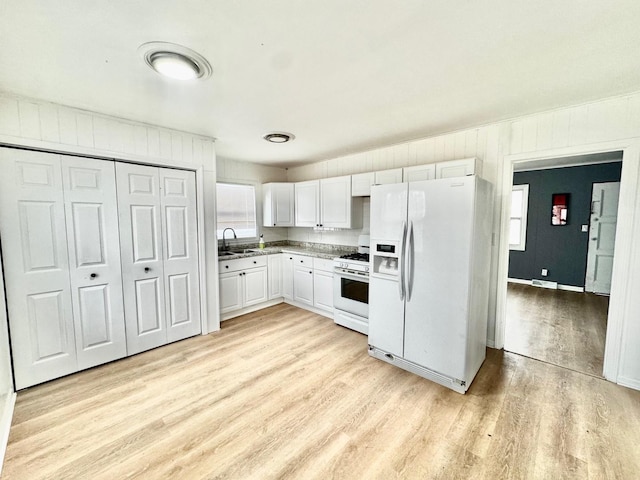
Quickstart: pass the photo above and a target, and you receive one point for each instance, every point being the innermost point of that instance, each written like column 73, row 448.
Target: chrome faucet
column 225, row 247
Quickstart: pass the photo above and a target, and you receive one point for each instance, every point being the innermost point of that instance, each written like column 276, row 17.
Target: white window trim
column 523, row 217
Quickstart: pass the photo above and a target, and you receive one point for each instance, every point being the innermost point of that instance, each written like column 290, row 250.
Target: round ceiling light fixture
column 175, row 61
column 279, row 137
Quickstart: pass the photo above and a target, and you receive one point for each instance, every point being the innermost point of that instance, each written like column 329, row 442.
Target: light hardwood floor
column 557, row 326
column 284, row 393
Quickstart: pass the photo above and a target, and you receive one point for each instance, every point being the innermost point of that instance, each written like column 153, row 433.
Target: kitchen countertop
column 297, row 250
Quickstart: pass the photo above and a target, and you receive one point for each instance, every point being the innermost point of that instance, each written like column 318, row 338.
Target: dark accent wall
column 560, row 249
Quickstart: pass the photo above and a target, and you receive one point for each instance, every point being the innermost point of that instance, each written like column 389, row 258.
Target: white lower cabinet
column 323, row 290
column 274, row 270
column 287, row 276
column 303, row 285
column 243, row 283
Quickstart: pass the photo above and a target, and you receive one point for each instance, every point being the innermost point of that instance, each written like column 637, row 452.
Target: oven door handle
column 351, row 276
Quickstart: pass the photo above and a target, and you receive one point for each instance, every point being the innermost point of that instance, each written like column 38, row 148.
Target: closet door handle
column 93, row 275
column 147, row 269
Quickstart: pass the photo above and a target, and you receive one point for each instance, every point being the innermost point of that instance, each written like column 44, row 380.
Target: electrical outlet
column 585, row 228
column 545, row 272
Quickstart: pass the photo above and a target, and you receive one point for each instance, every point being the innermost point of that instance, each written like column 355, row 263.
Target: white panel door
column 335, row 202
column 94, row 259
column 438, row 268
column 602, row 236
column 303, row 285
column 180, row 251
column 141, row 247
column 307, row 204
column 230, row 291
column 255, row 286
column 323, row 290
column 36, row 266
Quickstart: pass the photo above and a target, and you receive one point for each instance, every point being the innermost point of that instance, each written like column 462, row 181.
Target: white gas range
column 351, row 289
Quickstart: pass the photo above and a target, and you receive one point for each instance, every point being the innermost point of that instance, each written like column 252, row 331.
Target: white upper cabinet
column 325, row 203
column 419, row 172
column 459, row 168
column 307, row 203
column 278, row 205
column 361, row 184
column 335, row 202
column 388, row 176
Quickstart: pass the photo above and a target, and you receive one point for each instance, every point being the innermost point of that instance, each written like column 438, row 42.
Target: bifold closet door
column 36, row 266
column 94, row 260
column 142, row 258
column 180, row 250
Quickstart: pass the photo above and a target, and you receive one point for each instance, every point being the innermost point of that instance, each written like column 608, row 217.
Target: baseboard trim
column 252, row 308
column 5, row 424
column 311, row 309
column 629, row 382
column 570, row 288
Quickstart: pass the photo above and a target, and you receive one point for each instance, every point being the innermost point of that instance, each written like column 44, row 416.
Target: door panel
column 386, row 316
column 441, row 221
column 142, row 265
column 36, row 266
column 180, row 247
column 94, row 254
column 602, row 236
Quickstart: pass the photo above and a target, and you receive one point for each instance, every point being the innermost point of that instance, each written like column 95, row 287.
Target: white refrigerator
column 429, row 278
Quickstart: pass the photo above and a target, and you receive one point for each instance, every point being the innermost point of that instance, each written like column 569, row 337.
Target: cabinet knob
column 310, row 271
column 274, row 224
column 320, row 224
column 301, row 261
column 255, row 261
column 226, row 266
column 240, row 274
column 290, row 258
column 93, row 275
column 147, row 269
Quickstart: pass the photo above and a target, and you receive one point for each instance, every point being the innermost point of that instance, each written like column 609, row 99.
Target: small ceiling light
column 279, row 137
column 175, row 61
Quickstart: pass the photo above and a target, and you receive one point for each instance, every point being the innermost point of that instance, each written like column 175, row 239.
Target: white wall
column 231, row 171
column 565, row 129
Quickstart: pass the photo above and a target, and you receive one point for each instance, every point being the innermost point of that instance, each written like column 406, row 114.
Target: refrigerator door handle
column 403, row 246
column 409, row 269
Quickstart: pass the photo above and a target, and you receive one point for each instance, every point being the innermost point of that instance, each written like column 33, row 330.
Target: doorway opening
column 562, row 234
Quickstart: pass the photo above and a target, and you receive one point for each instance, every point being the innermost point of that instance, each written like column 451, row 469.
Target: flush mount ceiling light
column 278, row 137
column 175, row 61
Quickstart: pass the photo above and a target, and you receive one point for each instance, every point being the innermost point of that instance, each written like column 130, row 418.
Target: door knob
column 93, row 275
column 147, row 269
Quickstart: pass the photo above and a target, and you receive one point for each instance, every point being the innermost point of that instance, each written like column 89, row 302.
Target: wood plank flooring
column 284, row 393
column 557, row 326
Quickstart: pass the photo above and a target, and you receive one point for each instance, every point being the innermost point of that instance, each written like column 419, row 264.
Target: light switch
column 585, row 228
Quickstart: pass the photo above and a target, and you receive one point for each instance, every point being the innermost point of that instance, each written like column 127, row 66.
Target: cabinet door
column 457, row 168
column 230, row 291
column 303, row 285
column 323, row 290
column 180, row 253
column 94, row 260
column 335, row 202
column 278, row 205
column 307, row 207
column 287, row 276
column 36, row 266
column 419, row 172
column 274, row 270
column 361, row 184
column 141, row 247
column 384, row 177
column 255, row 286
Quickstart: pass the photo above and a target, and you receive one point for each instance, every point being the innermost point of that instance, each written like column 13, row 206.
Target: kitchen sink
column 231, row 253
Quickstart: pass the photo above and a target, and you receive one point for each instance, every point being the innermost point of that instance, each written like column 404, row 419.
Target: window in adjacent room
column 236, row 208
column 518, row 220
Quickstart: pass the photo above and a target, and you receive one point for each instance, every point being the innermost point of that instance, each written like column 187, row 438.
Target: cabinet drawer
column 242, row 263
column 302, row 261
column 323, row 264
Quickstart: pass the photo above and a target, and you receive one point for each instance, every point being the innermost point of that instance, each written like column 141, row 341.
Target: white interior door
column 602, row 236
column 141, row 248
column 180, row 247
column 94, row 259
column 36, row 266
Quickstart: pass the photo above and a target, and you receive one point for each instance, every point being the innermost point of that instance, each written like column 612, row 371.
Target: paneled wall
column 231, row 171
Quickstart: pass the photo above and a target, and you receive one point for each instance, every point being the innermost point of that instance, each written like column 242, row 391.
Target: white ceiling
column 343, row 76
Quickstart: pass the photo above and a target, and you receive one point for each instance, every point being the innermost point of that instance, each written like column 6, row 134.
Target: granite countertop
column 312, row 250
